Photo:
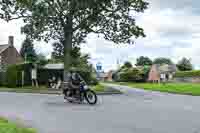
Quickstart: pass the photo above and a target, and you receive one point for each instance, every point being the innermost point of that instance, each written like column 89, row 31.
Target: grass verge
column 105, row 89
column 177, row 88
column 9, row 127
column 25, row 88
column 99, row 88
column 43, row 90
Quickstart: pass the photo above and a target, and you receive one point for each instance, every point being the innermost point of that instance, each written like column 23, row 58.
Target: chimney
column 11, row 40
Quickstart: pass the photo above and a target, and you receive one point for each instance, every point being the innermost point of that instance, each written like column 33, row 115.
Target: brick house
column 164, row 72
column 108, row 76
column 9, row 54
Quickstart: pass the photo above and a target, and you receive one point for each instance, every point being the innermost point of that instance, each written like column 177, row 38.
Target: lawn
column 99, row 88
column 179, row 88
column 10, row 127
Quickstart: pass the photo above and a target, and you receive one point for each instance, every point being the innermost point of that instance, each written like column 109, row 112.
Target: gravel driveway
column 135, row 111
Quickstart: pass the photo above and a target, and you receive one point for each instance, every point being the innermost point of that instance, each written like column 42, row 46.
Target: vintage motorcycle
column 77, row 91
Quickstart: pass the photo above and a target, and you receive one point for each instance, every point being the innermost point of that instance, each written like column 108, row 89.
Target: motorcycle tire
column 89, row 94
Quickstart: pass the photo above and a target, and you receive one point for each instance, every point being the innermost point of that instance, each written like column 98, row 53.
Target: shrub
column 14, row 75
column 11, row 77
column 146, row 70
column 194, row 73
column 93, row 81
column 2, row 78
column 132, row 74
column 88, row 77
column 44, row 75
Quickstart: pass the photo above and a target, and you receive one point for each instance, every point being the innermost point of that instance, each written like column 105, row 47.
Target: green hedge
column 131, row 75
column 14, row 75
column 11, row 76
column 195, row 73
column 2, row 78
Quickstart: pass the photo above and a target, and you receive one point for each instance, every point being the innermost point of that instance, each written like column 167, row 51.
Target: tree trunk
column 67, row 50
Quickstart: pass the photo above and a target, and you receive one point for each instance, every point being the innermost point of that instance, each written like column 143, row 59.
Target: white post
column 25, row 57
column 22, row 78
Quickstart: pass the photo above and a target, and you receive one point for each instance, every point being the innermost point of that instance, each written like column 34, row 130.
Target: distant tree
column 77, row 58
column 146, row 70
column 41, row 60
column 162, row 60
column 143, row 61
column 27, row 51
column 185, row 65
column 58, row 51
column 127, row 64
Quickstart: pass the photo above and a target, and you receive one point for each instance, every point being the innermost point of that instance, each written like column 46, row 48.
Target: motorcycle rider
column 73, row 85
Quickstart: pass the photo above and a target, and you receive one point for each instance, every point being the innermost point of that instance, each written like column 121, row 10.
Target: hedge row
column 195, row 73
column 13, row 76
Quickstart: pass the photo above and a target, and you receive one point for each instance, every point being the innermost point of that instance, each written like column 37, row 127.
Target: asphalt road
column 135, row 111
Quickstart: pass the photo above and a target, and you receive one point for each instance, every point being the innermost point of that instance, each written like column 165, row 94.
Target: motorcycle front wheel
column 90, row 97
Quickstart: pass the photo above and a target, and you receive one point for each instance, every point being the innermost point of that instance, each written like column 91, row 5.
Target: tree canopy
column 143, row 61
column 53, row 18
column 73, row 20
column 78, row 59
column 185, row 65
column 162, row 60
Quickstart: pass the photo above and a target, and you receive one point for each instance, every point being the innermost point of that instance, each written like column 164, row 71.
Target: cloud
column 172, row 28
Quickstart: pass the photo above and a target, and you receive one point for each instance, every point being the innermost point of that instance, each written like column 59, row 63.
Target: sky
column 172, row 28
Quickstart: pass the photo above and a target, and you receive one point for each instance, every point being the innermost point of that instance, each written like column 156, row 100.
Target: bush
column 132, row 74
column 93, row 81
column 14, row 75
column 11, row 77
column 146, row 71
column 2, row 78
column 44, row 75
column 88, row 77
column 195, row 73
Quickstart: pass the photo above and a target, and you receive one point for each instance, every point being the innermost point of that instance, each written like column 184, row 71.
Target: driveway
column 135, row 111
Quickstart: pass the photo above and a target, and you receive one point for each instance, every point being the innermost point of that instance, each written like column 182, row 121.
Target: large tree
column 73, row 20
column 143, row 61
column 27, row 51
column 185, row 65
column 162, row 60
